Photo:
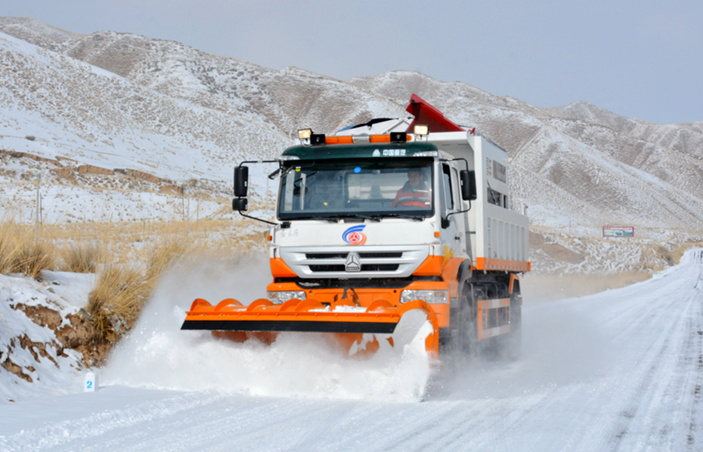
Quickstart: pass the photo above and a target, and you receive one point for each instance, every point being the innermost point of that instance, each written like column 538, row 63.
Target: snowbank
column 33, row 360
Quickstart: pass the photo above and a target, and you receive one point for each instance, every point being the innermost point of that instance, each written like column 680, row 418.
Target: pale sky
column 637, row 58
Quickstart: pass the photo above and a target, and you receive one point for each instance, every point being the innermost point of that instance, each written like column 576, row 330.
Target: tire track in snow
column 668, row 375
column 61, row 433
column 696, row 420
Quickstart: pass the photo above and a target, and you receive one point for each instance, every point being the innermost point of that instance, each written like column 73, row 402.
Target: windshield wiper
column 360, row 216
column 401, row 215
column 343, row 216
column 314, row 217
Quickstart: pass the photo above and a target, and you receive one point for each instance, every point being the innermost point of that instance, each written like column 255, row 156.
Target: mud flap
column 493, row 317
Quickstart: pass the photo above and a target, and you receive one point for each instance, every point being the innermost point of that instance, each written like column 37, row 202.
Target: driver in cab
column 415, row 192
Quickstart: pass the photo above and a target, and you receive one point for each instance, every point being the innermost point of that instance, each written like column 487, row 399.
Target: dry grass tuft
column 122, row 291
column 116, row 301
column 7, row 235
column 167, row 252
column 31, row 256
column 82, row 257
column 21, row 252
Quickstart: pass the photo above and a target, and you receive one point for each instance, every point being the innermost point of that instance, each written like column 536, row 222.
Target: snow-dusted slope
column 118, row 100
column 38, row 33
column 97, row 117
column 79, row 114
column 619, row 370
column 576, row 162
column 289, row 99
column 685, row 138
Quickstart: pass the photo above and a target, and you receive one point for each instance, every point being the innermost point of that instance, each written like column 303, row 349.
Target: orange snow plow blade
column 342, row 317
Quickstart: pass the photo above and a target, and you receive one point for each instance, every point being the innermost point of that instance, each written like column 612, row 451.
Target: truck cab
column 375, row 219
column 393, row 220
column 369, row 218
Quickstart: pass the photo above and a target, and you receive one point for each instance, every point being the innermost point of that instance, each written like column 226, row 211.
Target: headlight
column 304, row 134
column 428, row 296
column 421, row 129
column 282, row 297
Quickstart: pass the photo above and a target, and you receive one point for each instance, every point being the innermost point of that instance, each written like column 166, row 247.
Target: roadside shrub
column 82, row 257
column 116, row 301
column 31, row 256
column 165, row 253
column 7, row 233
column 22, row 252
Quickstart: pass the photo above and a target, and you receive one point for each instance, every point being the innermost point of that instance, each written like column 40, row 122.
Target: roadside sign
column 618, row 231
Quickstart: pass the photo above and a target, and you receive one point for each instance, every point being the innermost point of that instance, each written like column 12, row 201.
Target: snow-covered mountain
column 122, row 101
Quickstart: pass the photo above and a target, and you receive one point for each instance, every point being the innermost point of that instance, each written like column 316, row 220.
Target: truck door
column 452, row 236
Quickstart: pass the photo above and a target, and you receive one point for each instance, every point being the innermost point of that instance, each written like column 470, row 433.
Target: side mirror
column 239, row 204
column 468, row 185
column 241, row 182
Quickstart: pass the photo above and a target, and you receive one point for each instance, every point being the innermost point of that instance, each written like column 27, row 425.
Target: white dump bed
column 498, row 236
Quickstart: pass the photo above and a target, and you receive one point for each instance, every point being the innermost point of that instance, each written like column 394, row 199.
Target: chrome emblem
column 353, row 262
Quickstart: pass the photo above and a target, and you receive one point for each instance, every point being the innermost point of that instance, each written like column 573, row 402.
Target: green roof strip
column 345, row 151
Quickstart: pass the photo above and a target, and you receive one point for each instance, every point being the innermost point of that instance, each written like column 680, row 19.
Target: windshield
column 364, row 188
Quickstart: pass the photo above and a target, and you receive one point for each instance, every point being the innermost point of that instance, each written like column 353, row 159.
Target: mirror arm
column 257, row 219
column 446, row 219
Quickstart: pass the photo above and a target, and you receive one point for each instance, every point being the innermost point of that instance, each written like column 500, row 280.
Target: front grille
column 362, row 255
column 376, row 261
column 364, row 268
column 379, row 267
column 365, row 283
column 326, row 268
column 326, row 255
column 380, row 255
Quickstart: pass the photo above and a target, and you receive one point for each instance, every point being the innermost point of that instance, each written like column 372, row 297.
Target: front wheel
column 467, row 340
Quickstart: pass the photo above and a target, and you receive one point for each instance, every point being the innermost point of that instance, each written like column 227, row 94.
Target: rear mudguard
column 310, row 315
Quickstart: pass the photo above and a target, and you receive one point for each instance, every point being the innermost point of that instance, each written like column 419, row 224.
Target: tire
column 467, row 340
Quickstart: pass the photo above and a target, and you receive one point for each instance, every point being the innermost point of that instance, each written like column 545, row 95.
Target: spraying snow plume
column 562, row 345
column 158, row 354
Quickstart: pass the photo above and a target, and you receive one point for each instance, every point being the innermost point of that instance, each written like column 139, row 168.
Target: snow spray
column 157, row 354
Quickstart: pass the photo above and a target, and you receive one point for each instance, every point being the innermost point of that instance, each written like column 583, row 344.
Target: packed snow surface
column 621, row 370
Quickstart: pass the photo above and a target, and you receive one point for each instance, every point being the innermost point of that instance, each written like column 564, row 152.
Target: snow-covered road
column 621, row 370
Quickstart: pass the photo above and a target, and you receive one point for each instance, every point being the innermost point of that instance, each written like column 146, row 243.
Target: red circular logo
column 354, row 237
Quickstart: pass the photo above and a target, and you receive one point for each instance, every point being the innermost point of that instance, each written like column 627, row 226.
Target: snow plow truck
column 383, row 228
